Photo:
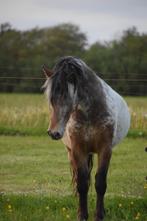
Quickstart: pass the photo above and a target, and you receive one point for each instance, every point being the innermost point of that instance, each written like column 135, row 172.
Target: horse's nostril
column 56, row 135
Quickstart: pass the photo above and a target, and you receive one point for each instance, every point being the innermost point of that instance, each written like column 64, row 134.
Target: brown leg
column 101, row 182
column 82, row 189
column 81, row 167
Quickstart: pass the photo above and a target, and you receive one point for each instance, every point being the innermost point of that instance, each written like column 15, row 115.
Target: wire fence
column 26, row 83
column 106, row 79
column 24, row 78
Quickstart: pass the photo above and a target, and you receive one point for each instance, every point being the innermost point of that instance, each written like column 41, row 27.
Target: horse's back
column 119, row 112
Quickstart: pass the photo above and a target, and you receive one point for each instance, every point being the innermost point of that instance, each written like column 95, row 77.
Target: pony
column 90, row 118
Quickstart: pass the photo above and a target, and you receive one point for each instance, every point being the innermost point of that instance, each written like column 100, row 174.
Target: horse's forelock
column 68, row 70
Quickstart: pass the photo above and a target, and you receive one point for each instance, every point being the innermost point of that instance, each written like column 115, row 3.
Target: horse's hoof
column 98, row 219
column 79, row 219
column 99, row 216
column 82, row 217
column 83, row 220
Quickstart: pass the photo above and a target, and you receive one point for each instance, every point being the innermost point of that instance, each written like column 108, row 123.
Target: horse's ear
column 48, row 73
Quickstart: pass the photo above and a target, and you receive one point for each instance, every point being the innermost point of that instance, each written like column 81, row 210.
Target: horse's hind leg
column 101, row 183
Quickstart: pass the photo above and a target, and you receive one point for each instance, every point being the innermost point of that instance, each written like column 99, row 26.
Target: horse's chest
column 88, row 133
column 83, row 135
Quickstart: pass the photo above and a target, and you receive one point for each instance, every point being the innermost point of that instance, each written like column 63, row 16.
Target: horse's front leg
column 101, row 182
column 82, row 189
column 81, row 176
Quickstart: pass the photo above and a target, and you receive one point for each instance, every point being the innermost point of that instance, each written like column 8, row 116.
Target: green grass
column 27, row 114
column 39, row 165
column 23, row 114
column 35, row 181
column 41, row 208
column 138, row 109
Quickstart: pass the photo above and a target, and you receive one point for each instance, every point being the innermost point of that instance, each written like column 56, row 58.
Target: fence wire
column 23, row 82
column 105, row 79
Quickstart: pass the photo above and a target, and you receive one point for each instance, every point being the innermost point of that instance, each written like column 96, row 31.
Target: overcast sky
column 99, row 19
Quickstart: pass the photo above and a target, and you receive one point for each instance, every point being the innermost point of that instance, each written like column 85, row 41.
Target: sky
column 100, row 20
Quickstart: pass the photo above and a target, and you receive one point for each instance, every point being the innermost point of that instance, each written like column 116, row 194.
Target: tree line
column 121, row 62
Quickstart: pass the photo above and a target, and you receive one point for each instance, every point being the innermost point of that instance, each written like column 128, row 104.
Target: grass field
column 42, row 208
column 27, row 114
column 35, row 179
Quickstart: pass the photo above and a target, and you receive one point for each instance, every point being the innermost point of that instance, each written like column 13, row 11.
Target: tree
column 22, row 53
column 123, row 60
column 62, row 40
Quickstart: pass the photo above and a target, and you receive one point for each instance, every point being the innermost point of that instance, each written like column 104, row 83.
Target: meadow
column 35, row 179
column 27, row 114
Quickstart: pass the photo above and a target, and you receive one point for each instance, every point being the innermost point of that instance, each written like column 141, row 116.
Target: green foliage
column 123, row 60
column 22, row 54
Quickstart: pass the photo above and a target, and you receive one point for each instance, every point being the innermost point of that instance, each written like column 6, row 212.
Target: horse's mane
column 70, row 74
column 67, row 70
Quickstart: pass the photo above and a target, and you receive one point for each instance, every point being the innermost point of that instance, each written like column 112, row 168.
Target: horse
column 90, row 118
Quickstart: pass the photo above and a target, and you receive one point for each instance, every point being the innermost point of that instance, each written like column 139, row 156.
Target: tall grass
column 28, row 114
column 138, row 109
column 23, row 114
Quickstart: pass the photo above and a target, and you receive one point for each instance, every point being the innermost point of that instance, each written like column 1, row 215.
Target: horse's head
column 61, row 91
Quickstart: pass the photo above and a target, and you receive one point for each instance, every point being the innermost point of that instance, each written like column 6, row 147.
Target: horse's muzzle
column 54, row 135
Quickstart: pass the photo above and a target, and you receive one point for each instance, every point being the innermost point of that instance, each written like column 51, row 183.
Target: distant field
column 35, row 181
column 27, row 114
column 138, row 109
column 24, row 114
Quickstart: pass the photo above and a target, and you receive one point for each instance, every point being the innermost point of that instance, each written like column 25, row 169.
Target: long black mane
column 67, row 70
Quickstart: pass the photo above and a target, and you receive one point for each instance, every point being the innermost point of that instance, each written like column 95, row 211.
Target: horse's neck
column 91, row 102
